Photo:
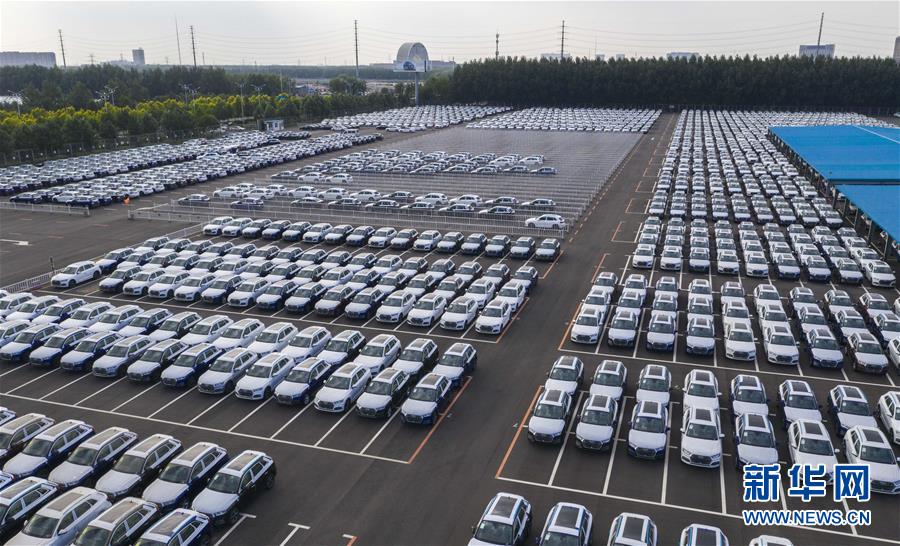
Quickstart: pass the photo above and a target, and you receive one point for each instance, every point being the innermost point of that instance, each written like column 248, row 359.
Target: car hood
column 161, row 335
column 883, row 472
column 490, row 321
column 143, row 367
column 655, row 396
column 357, row 307
column 14, row 347
column 194, row 339
column 639, row 438
column 795, row 414
column 699, row 446
column 328, row 394
column 115, row 482
column 290, row 388
column 757, row 455
column 23, row 464
column 176, row 372
column 559, row 385
column 697, row 341
column 543, row 425
column 691, row 401
column 163, row 492
column 105, row 361
column 418, row 407
column 848, row 420
column 44, row 352
column 369, row 400
column 252, row 383
column 26, row 540
column 454, row 317
column 327, row 304
column 745, row 346
column 213, row 502
column 75, row 357
column 451, row 372
column 618, row 333
column 740, row 408
column 66, row 473
column 132, row 331
column 828, row 461
column 332, row 356
column 214, row 378
column 599, row 433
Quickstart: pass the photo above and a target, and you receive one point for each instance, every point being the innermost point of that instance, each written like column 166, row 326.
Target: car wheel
column 96, row 275
column 270, row 480
column 229, row 386
column 267, row 393
column 232, row 516
column 305, row 400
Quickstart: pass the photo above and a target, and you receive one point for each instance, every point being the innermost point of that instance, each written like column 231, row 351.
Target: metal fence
column 46, row 208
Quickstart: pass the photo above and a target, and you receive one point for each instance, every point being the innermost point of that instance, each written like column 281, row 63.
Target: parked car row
column 754, row 438
column 395, row 162
column 507, row 520
column 67, row 483
column 572, row 119
column 208, row 166
column 434, row 116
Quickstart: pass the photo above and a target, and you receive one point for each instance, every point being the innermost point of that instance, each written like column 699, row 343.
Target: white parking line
column 54, row 391
column 202, row 413
column 93, row 394
column 562, row 448
column 233, row 527
column 294, row 528
column 15, row 369
column 665, row 476
column 289, row 421
column 176, row 399
column 347, row 413
column 249, row 415
column 612, row 455
column 380, row 430
column 25, row 384
column 151, row 387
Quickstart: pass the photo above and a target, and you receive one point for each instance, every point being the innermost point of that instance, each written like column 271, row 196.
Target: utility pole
column 497, row 45
column 356, row 47
column 177, row 40
column 203, row 54
column 62, row 48
column 92, row 59
column 193, row 46
column 819, row 40
column 241, row 87
column 562, row 41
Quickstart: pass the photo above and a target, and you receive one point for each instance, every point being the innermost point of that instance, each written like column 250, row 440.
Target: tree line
column 48, row 130
column 740, row 82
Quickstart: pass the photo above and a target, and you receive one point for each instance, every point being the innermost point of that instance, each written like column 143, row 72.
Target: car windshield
column 700, row 308
column 853, row 322
column 83, row 456
column 225, row 483
column 176, row 473
column 757, row 438
column 875, row 454
column 549, row 411
column 372, row 350
column 702, row 389
column 38, row 447
column 782, row 339
column 298, row 376
column 5, row 442
column 662, row 327
column 143, row 321
column 338, row 382
column 333, row 295
column 865, row 347
column 702, row 431
column 268, row 336
column 754, row 396
column 741, row 335
column 587, row 320
column 118, row 350
column 624, row 323
column 93, row 536
column 801, row 401
column 393, row 302
column 816, row 446
column 653, row 384
column 110, row 318
column 225, row 365
column 648, row 424
column 85, row 347
column 55, row 342
column 458, row 308
column 597, row 417
column 855, row 407
column 40, row 526
column 563, row 374
column 492, row 311
column 130, row 464
column 259, row 370
column 608, row 379
column 220, row 284
column 700, row 330
column 494, row 532
column 193, row 281
column 82, row 314
column 379, row 387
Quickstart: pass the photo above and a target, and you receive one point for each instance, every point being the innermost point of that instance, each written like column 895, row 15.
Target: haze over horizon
column 317, row 33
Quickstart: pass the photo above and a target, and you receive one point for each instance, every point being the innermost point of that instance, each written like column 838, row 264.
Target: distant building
column 273, row 125
column 599, row 57
column 687, row 55
column 25, row 58
column 620, row 56
column 897, row 50
column 824, row 50
column 137, row 56
column 554, row 56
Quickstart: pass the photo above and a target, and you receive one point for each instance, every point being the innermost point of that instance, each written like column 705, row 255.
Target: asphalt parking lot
column 344, row 480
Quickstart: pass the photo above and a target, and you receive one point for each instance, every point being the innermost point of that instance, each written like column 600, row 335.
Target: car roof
column 242, row 461
column 503, row 507
column 148, row 444
column 191, row 454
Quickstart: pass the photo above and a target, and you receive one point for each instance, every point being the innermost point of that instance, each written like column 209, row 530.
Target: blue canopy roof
column 847, row 153
column 880, row 202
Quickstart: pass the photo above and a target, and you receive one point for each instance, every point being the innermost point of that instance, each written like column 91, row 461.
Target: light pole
column 241, row 87
column 111, row 93
column 18, row 101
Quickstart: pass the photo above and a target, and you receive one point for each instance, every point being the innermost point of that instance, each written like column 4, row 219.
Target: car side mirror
column 721, row 436
column 837, row 450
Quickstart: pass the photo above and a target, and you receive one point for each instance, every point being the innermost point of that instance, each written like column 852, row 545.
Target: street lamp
column 18, row 96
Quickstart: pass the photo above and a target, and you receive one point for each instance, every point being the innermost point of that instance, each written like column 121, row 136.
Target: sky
column 317, row 33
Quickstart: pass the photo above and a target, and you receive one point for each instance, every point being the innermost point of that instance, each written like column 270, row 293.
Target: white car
column 796, row 400
column 867, row 445
column 643, row 257
column 701, row 437
column 379, row 353
column 86, row 315
column 648, row 436
column 395, row 307
column 739, row 342
column 76, row 273
column 140, row 283
column 565, row 375
column 609, row 379
column 493, row 318
column 701, row 390
column 166, row 285
column 115, row 319
column 263, row 376
column 239, row 334
column 546, row 221
column 33, row 308
column 482, row 290
column 809, row 443
column 273, row 338
column 459, row 314
column 246, row 292
column 207, row 330
column 586, row 327
column 193, row 286
column 225, row 371
column 654, row 384
column 547, row 423
column 849, row 407
column 597, row 423
column 299, row 383
column 513, row 293
column 748, row 395
column 342, row 388
column 754, row 438
column 427, row 310
column 888, row 413
column 780, row 346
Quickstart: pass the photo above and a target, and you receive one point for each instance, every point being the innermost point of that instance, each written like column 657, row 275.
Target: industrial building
column 25, row 58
